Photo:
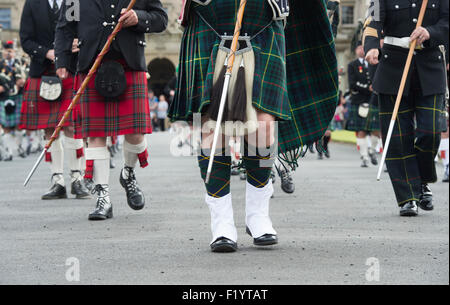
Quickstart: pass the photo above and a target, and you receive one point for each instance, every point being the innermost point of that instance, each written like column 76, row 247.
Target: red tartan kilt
column 128, row 114
column 38, row 113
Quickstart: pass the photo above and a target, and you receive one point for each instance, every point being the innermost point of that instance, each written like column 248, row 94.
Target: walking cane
column 80, row 92
column 231, row 58
column 401, row 90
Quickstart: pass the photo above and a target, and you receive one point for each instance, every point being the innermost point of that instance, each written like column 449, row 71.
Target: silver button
column 433, row 5
column 397, row 6
column 415, row 20
column 147, row 29
column 112, row 16
column 113, row 6
column 414, row 5
column 386, row 56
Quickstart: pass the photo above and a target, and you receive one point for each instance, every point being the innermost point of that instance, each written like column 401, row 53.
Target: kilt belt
column 415, row 140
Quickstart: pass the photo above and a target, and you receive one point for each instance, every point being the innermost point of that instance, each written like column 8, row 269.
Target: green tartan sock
column 219, row 183
column 258, row 168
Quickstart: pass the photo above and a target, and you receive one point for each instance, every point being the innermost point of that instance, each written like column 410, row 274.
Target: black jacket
column 359, row 82
column 37, row 35
column 96, row 24
column 398, row 18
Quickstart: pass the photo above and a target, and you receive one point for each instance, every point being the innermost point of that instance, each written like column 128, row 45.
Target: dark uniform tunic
column 129, row 113
column 11, row 99
column 416, row 135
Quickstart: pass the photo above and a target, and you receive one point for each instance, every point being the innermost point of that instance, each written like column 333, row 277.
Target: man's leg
column 375, row 138
column 401, row 158
column 259, row 160
column 55, row 157
column 97, row 169
column 134, row 150
column 363, row 147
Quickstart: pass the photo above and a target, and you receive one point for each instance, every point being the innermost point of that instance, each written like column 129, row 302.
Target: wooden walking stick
column 401, row 90
column 230, row 64
column 79, row 93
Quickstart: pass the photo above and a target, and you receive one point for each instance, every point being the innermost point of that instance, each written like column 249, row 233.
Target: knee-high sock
column 55, row 156
column 374, row 140
column 10, row 142
column 445, row 151
column 363, row 147
column 258, row 167
column 133, row 153
column 99, row 158
column 219, row 183
column 74, row 149
column 3, row 149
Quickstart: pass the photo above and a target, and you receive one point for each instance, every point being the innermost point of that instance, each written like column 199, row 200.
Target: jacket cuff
column 62, row 61
column 143, row 25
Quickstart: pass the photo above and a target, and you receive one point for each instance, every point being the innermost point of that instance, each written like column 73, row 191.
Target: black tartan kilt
column 358, row 123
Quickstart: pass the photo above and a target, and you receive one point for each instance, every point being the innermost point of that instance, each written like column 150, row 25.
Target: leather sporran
column 51, row 88
column 363, row 110
column 110, row 81
column 10, row 107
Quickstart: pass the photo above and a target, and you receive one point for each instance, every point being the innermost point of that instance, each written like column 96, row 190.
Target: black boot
column 224, row 245
column 426, row 199
column 373, row 158
column 57, row 191
column 135, row 197
column 78, row 188
column 409, row 209
column 287, row 182
column 103, row 209
column 364, row 163
column 265, row 240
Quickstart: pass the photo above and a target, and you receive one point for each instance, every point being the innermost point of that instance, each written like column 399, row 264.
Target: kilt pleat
column 11, row 120
column 358, row 123
column 96, row 116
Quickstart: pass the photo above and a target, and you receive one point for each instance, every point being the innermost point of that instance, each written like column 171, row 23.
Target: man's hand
column 129, row 19
column 75, row 48
column 20, row 82
column 372, row 56
column 421, row 34
column 2, row 89
column 62, row 73
column 51, row 55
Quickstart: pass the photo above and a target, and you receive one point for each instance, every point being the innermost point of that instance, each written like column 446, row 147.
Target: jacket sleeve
column 153, row 19
column 439, row 31
column 373, row 26
column 353, row 82
column 28, row 35
column 66, row 32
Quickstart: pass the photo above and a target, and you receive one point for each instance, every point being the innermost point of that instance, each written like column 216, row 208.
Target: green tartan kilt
column 199, row 48
column 11, row 120
column 358, row 123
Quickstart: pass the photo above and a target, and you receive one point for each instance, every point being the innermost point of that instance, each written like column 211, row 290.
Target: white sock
column 101, row 157
column 57, row 164
column 72, row 147
column 10, row 143
column 131, row 152
column 374, row 140
column 363, row 147
column 445, row 149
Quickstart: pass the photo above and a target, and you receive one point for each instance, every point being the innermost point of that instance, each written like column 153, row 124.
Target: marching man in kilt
column 421, row 118
column 363, row 118
column 116, row 99
column 283, row 68
column 47, row 97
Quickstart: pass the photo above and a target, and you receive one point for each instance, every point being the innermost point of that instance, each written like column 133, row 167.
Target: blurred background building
column 163, row 49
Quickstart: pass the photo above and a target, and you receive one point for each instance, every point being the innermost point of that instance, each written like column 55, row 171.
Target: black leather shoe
column 320, row 156
column 8, row 158
column 103, row 209
column 426, row 199
column 21, row 153
column 409, row 209
column 79, row 190
column 112, row 165
column 56, row 192
column 243, row 176
column 265, row 240
column 327, row 154
column 135, row 197
column 224, row 245
column 287, row 182
column 373, row 159
column 364, row 163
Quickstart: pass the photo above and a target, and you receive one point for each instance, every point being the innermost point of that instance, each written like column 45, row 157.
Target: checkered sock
column 56, row 159
column 74, row 149
column 258, row 168
column 219, row 183
column 100, row 158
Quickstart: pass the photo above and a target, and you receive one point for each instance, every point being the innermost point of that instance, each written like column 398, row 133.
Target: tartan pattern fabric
column 11, row 120
column 220, row 181
column 257, row 167
column 37, row 113
column 128, row 114
column 200, row 46
column 312, row 76
column 358, row 123
column 415, row 141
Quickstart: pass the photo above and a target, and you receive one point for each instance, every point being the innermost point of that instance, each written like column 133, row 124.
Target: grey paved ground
column 338, row 218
